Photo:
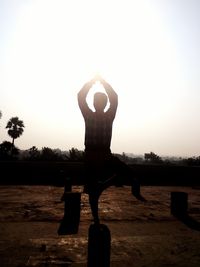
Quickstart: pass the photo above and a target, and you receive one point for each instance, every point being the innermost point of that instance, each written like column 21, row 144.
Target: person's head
column 100, row 101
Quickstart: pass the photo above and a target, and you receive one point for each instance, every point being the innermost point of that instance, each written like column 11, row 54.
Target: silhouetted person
column 102, row 168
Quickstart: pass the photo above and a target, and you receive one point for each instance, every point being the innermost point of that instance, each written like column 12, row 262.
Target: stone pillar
column 135, row 188
column 71, row 219
column 99, row 240
column 179, row 204
column 67, row 187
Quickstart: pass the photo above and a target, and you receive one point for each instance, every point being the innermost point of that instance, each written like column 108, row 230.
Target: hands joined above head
column 96, row 78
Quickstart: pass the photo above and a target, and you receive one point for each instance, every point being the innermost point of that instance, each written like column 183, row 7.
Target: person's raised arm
column 112, row 95
column 82, row 94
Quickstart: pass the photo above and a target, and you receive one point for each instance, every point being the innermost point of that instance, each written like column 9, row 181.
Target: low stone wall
column 55, row 173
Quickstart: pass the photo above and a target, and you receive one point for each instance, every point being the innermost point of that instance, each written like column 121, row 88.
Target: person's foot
column 140, row 197
column 136, row 192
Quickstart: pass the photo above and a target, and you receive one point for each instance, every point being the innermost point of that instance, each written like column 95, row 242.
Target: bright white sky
column 147, row 50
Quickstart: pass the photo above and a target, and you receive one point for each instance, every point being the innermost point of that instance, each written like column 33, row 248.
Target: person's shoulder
column 109, row 114
column 89, row 114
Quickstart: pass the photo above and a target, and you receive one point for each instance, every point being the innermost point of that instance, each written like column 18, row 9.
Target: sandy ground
column 142, row 234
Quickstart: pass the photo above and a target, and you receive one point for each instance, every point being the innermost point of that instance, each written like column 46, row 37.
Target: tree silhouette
column 152, row 157
column 0, row 114
column 48, row 154
column 34, row 153
column 7, row 151
column 75, row 154
column 15, row 127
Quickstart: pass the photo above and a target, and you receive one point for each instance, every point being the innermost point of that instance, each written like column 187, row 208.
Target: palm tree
column 15, row 127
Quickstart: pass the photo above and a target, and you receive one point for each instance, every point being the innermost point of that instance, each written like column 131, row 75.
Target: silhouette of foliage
column 75, row 154
column 0, row 114
column 129, row 159
column 33, row 153
column 152, row 158
column 50, row 155
column 15, row 127
column 7, row 151
column 47, row 154
column 194, row 161
column 61, row 156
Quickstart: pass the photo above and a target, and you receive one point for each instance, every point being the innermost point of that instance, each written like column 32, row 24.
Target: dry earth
column 143, row 234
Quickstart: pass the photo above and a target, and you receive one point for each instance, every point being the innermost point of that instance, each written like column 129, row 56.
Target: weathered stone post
column 99, row 243
column 71, row 219
column 135, row 188
column 179, row 204
column 67, row 187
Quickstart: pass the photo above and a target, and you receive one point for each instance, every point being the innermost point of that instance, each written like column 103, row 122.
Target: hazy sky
column 147, row 50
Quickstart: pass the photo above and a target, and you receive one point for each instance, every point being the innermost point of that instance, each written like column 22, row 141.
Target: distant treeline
column 15, row 128
column 9, row 152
